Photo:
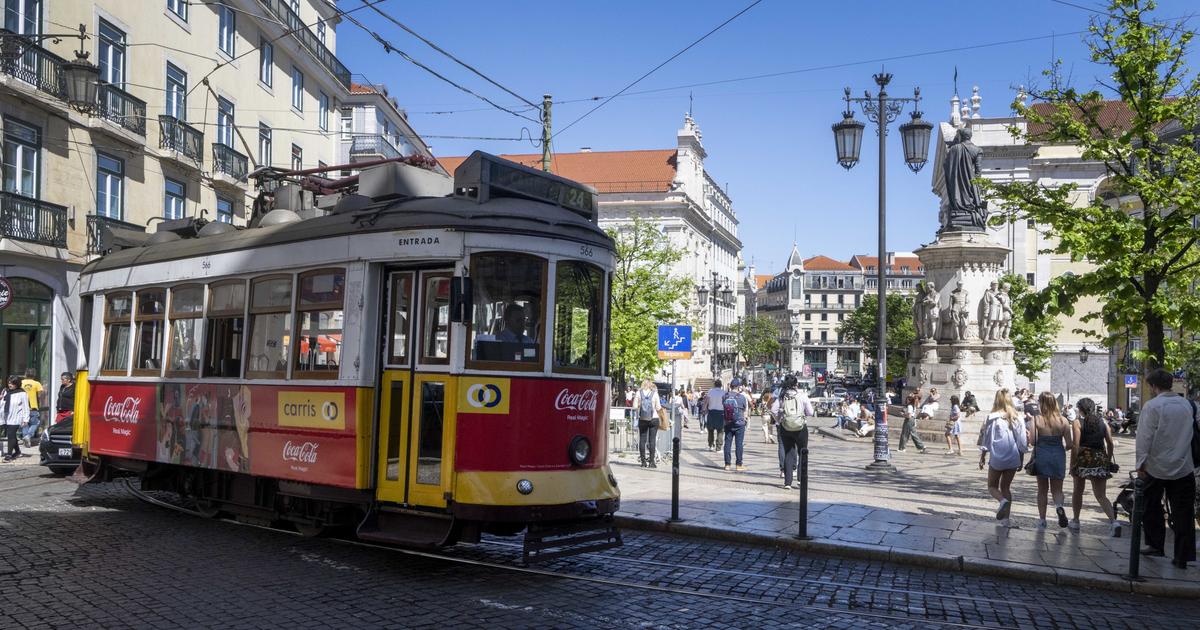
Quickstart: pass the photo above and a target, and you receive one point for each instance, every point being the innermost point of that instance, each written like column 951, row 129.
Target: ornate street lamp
column 80, row 77
column 847, row 137
column 1083, row 354
column 914, row 136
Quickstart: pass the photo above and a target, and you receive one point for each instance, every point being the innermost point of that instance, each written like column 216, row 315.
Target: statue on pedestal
column 960, row 313
column 926, row 313
column 990, row 311
column 965, row 211
column 1006, row 312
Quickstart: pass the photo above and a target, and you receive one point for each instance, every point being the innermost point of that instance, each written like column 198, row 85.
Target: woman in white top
column 16, row 413
column 1006, row 440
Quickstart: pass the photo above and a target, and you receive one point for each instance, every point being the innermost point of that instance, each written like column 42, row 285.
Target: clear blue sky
column 769, row 139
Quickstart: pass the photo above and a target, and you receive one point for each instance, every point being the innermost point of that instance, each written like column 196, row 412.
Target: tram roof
column 499, row 215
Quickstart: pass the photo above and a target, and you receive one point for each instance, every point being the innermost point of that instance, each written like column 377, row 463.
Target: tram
column 419, row 360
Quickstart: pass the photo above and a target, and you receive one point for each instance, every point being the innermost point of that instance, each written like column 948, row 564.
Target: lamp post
column 702, row 293
column 914, row 135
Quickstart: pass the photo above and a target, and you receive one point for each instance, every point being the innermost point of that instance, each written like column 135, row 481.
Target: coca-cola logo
column 305, row 453
column 579, row 401
column 127, row 411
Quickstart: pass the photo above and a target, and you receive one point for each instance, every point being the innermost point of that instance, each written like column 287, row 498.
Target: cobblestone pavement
column 96, row 556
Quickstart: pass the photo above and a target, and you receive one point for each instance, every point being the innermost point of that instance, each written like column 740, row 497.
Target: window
column 841, row 298
column 297, row 157
column 824, row 299
column 266, row 61
column 1031, row 224
column 323, row 111
column 824, row 317
column 578, row 304
column 24, row 18
column 174, row 196
column 187, row 312
column 321, row 32
column 118, row 310
column 179, row 8
column 507, row 322
column 225, row 122
column 264, row 145
column 22, row 157
column 857, row 299
column 808, row 317
column 807, row 298
column 151, row 309
column 797, row 289
column 347, row 123
column 111, row 54
column 270, row 327
column 904, row 270
column 224, row 210
column 110, row 185
column 824, row 336
column 399, row 322
column 226, row 30
column 319, row 314
column 435, row 324
column 176, row 92
column 297, row 89
column 1029, row 277
column 225, row 326
column 808, row 336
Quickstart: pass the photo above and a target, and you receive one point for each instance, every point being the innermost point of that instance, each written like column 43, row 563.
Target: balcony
column 26, row 219
column 181, row 138
column 308, row 40
column 364, row 148
column 38, row 67
column 97, row 241
column 226, row 161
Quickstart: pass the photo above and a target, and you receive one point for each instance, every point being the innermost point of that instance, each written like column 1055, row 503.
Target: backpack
column 646, row 406
column 791, row 415
column 733, row 411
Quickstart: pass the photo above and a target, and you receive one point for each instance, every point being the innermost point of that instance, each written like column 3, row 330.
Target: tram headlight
column 524, row 486
column 580, row 450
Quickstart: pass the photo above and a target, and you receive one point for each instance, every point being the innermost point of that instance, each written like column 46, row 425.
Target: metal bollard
column 1135, row 529
column 802, row 529
column 675, row 481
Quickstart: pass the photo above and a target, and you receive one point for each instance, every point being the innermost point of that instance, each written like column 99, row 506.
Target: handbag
column 1031, row 465
column 663, row 422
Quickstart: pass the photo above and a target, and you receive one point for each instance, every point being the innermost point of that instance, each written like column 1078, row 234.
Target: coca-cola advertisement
column 544, row 416
column 123, row 420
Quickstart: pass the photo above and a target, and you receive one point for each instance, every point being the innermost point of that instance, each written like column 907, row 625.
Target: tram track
column 896, row 606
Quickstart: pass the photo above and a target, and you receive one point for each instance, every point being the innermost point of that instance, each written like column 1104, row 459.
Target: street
column 96, row 556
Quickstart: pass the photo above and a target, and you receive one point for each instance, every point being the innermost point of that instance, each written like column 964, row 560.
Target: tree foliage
column 756, row 339
column 645, row 294
column 861, row 326
column 1141, row 236
column 1033, row 330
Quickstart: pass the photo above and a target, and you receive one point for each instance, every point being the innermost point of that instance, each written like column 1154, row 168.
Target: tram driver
column 514, row 325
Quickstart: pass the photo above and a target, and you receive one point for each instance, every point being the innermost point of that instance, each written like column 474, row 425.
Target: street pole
column 881, row 438
column 546, row 102
column 716, row 370
column 676, row 426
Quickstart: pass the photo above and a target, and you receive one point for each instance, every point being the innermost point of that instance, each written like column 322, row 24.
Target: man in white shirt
column 1164, row 464
column 715, row 423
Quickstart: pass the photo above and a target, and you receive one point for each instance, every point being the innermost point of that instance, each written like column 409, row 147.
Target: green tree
column 1141, row 237
column 645, row 294
column 861, row 326
column 756, row 339
column 1033, row 330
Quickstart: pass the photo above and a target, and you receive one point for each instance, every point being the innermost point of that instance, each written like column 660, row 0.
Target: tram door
column 416, row 432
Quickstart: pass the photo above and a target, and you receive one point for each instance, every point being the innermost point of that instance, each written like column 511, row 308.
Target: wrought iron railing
column 36, row 66
column 376, row 145
column 308, row 40
column 28, row 219
column 179, row 136
column 229, row 162
column 96, row 224
column 121, row 107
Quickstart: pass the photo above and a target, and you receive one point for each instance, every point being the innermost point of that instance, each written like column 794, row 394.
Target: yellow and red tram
column 423, row 360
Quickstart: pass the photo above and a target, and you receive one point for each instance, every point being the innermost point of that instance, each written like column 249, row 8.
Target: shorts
column 954, row 428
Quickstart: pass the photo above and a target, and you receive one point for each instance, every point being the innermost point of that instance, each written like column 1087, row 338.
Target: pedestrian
column 1006, row 441
column 647, row 405
column 16, row 413
column 1091, row 460
column 678, row 403
column 36, row 394
column 909, row 429
column 765, row 403
column 792, row 409
column 1164, row 463
column 735, row 403
column 716, row 416
column 1052, row 435
column 65, row 405
column 954, row 426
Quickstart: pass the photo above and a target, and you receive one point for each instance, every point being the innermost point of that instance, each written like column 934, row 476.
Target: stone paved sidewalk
column 933, row 510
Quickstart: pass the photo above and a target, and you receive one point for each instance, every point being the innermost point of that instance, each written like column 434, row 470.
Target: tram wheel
column 309, row 530
column 207, row 509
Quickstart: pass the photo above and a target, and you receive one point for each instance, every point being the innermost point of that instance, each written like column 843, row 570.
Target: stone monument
column 962, row 314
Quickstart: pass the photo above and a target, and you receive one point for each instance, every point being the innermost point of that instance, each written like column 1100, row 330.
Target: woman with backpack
column 647, row 404
column 1091, row 460
column 1004, row 438
column 791, row 410
column 1051, row 437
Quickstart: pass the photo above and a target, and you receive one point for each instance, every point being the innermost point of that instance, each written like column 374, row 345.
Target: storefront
column 26, row 327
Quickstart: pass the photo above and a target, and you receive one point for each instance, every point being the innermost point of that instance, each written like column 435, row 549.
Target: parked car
column 57, row 452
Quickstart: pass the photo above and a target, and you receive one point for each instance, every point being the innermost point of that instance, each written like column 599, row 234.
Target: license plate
column 65, row 452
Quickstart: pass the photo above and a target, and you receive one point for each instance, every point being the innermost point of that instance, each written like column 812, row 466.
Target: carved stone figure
column 960, row 313
column 959, row 378
column 927, row 327
column 989, row 314
column 965, row 211
column 1006, row 312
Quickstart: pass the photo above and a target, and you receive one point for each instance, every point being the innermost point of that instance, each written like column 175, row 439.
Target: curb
column 930, row 560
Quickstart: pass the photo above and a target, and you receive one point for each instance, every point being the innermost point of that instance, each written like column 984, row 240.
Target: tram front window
column 223, row 339
column 577, row 316
column 320, row 318
column 506, row 325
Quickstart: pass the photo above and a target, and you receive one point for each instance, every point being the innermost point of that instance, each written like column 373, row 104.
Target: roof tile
column 825, row 263
column 650, row 170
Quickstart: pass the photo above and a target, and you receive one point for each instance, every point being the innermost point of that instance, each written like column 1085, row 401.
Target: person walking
column 715, row 423
column 1164, row 464
column 1052, row 436
column 791, row 410
column 16, row 413
column 1091, row 460
column 65, row 405
column 735, row 427
column 647, row 405
column 35, row 393
column 679, row 404
column 909, row 428
column 1006, row 441
column 954, row 427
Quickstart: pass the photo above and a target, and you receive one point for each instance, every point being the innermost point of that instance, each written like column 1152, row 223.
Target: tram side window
column 187, row 310
column 225, row 329
column 506, row 325
column 319, row 313
column 151, row 324
column 270, row 327
column 578, row 310
column 118, row 313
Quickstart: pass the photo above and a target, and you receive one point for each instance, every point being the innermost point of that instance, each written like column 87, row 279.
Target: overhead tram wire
column 655, row 68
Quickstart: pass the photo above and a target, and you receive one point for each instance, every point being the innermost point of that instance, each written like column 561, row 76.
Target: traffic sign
column 1131, row 381
column 674, row 342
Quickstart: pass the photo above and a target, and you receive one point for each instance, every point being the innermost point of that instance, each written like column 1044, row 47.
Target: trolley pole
column 677, row 430
column 546, row 132
column 1135, row 526
column 802, row 526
